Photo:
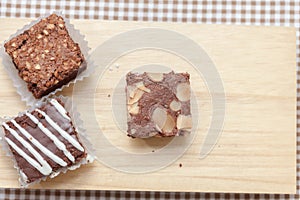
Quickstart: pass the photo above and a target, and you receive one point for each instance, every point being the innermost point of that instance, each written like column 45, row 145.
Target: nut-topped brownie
column 45, row 56
column 158, row 104
column 44, row 142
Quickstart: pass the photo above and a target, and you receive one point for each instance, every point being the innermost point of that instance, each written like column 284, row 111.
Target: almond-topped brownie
column 44, row 142
column 158, row 104
column 45, row 56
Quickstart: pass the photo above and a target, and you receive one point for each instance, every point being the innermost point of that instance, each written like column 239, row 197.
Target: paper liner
column 21, row 85
column 78, row 125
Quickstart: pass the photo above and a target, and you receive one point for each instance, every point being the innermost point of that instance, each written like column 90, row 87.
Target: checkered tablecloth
column 270, row 13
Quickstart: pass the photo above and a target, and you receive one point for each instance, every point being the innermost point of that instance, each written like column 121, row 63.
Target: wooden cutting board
column 256, row 151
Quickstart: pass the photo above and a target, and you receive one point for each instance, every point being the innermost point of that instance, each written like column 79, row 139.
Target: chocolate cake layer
column 158, row 104
column 45, row 56
column 43, row 141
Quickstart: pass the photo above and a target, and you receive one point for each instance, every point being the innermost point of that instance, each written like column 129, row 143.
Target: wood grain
column 256, row 152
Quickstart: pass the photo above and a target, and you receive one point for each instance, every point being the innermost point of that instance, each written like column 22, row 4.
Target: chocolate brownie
column 44, row 141
column 45, row 56
column 158, row 104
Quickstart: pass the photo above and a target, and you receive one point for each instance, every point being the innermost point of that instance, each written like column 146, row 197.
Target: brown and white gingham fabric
column 260, row 12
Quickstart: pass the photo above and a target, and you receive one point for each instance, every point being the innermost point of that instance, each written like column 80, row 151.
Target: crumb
column 153, row 150
column 180, row 165
column 108, row 95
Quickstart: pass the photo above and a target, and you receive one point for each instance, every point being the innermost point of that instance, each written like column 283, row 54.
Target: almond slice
column 151, row 134
column 156, row 77
column 183, row 91
column 159, row 117
column 136, row 97
column 141, row 86
column 175, row 105
column 169, row 125
column 184, row 122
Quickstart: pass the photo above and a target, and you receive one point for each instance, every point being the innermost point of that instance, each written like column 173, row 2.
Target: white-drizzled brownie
column 158, row 104
column 44, row 141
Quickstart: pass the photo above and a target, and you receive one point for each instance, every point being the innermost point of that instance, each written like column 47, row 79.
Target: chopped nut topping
column 45, row 32
column 50, row 26
column 45, row 55
column 56, row 74
column 37, row 66
column 25, row 78
column 15, row 54
column 39, row 36
column 28, row 65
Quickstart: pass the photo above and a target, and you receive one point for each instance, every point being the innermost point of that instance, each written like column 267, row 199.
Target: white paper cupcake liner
column 78, row 125
column 21, row 85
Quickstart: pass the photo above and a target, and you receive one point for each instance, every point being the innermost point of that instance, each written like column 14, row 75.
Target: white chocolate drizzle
column 60, row 108
column 42, row 166
column 60, row 145
column 41, row 147
column 63, row 133
column 39, row 162
column 23, row 176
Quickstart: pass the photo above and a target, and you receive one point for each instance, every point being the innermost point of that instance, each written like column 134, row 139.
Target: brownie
column 43, row 141
column 45, row 56
column 158, row 104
